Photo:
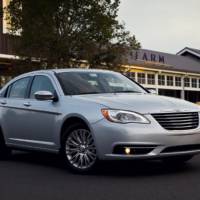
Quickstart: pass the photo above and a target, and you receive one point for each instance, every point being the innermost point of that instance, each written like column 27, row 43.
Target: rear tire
column 178, row 159
column 78, row 148
column 5, row 152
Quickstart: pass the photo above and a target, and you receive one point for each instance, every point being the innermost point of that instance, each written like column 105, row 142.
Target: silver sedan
column 91, row 115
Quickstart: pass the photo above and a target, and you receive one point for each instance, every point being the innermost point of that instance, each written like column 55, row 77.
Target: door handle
column 27, row 104
column 3, row 102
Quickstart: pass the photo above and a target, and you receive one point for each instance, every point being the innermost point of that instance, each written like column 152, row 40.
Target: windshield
column 77, row 83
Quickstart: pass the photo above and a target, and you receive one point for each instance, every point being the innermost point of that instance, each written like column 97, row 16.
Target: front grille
column 178, row 121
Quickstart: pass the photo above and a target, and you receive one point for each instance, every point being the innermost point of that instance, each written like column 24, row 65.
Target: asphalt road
column 32, row 176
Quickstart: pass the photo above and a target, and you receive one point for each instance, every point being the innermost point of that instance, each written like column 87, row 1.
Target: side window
column 41, row 83
column 19, row 88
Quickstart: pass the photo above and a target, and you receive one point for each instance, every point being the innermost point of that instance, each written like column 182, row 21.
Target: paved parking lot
column 27, row 176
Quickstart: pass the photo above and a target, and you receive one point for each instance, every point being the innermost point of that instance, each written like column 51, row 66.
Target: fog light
column 127, row 150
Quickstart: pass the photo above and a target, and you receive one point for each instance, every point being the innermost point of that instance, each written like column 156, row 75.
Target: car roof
column 79, row 70
column 50, row 71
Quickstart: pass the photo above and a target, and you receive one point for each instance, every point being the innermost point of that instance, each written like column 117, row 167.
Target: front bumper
column 108, row 135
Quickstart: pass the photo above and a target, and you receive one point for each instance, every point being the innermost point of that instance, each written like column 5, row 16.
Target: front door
column 36, row 120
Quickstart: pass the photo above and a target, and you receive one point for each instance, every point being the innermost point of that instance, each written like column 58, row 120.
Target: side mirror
column 152, row 91
column 45, row 96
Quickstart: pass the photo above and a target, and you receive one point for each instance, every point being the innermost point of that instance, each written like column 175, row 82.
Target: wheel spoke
column 87, row 160
column 72, row 142
column 72, row 149
column 75, row 158
column 82, row 134
column 81, row 160
column 76, row 137
column 91, row 154
column 89, row 139
column 84, row 137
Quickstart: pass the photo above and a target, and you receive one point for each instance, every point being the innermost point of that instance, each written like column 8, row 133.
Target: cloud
column 163, row 25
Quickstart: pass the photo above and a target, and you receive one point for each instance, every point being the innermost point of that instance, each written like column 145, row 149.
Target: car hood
column 142, row 103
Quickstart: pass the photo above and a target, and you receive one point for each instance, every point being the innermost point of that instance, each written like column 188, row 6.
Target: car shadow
column 140, row 168
column 106, row 168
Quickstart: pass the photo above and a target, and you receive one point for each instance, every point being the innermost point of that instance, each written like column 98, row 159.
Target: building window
column 170, row 81
column 161, row 80
column 141, row 78
column 126, row 74
column 151, row 79
column 178, row 81
column 194, row 82
column 131, row 75
column 187, row 82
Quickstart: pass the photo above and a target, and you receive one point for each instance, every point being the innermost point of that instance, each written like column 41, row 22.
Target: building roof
column 192, row 51
column 165, row 61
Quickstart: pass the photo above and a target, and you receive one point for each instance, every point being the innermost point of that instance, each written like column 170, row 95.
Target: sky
column 163, row 25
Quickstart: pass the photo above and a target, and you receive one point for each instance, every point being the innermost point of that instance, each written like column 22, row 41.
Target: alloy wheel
column 80, row 149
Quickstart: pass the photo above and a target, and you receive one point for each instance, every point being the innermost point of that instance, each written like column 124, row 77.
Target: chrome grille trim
column 178, row 121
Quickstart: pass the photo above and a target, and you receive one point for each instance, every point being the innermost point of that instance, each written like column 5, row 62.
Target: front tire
column 78, row 148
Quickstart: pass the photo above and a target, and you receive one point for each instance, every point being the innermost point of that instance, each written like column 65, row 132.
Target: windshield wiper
column 127, row 91
column 88, row 93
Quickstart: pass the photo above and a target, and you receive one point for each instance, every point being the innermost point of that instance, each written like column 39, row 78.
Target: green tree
column 63, row 33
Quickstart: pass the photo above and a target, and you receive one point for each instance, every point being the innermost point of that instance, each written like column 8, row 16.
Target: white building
column 171, row 75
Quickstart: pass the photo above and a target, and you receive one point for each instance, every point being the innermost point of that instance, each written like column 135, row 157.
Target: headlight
column 121, row 116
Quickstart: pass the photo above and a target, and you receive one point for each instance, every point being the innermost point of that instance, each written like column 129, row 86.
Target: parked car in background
column 91, row 115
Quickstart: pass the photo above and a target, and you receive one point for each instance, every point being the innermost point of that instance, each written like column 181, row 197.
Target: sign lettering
column 150, row 57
